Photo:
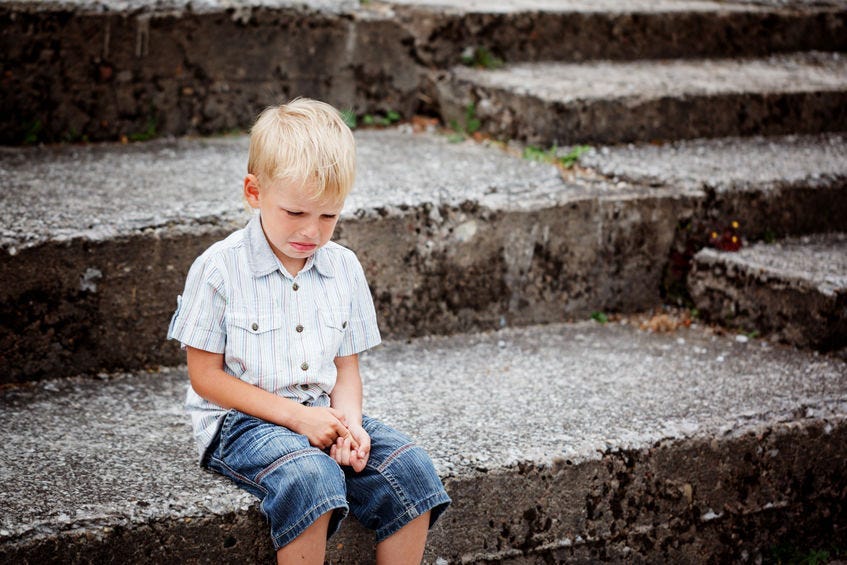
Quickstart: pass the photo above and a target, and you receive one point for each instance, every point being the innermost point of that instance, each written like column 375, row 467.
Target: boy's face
column 295, row 223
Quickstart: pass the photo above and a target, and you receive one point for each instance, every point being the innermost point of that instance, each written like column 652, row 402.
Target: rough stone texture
column 578, row 30
column 611, row 102
column 99, row 70
column 76, row 72
column 795, row 289
column 454, row 237
column 581, row 441
column 774, row 186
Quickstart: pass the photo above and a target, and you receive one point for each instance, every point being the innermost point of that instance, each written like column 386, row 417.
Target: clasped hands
column 328, row 428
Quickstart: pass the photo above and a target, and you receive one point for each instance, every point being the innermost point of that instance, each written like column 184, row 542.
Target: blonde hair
column 304, row 141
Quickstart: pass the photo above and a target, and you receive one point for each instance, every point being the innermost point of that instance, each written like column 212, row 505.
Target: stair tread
column 816, row 262
column 103, row 191
column 614, row 80
column 539, row 394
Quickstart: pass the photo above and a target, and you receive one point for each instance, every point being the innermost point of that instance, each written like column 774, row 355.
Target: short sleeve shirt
column 278, row 332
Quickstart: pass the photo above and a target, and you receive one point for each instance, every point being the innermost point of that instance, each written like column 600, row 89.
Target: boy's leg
column 309, row 548
column 398, row 487
column 298, row 485
column 406, row 545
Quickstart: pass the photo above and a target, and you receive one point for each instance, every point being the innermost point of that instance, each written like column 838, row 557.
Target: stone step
column 581, row 441
column 578, row 30
column 97, row 240
column 612, row 102
column 102, row 69
column 794, row 289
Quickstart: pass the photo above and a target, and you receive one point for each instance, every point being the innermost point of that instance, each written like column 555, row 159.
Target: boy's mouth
column 302, row 247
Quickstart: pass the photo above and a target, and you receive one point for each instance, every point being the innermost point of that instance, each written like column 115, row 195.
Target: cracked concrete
column 454, row 237
column 794, row 290
column 611, row 102
column 99, row 70
column 582, row 438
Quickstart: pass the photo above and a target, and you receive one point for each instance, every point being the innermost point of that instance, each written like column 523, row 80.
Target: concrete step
column 612, row 102
column 794, row 290
column 578, row 30
column 579, row 442
column 99, row 70
column 97, row 240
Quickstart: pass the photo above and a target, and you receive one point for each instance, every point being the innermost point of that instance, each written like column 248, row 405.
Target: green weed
column 567, row 161
column 470, row 125
column 390, row 117
column 149, row 132
column 33, row 132
column 599, row 317
column 570, row 159
column 480, row 57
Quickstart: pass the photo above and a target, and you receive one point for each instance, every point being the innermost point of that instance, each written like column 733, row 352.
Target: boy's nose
column 310, row 230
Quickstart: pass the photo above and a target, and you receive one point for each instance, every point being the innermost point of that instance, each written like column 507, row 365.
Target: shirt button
column 255, row 326
column 305, row 366
column 343, row 325
column 295, row 287
column 299, row 328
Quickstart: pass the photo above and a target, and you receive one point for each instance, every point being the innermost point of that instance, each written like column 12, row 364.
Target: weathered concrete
column 95, row 71
column 611, row 102
column 795, row 290
column 585, row 441
column 99, row 70
column 578, row 30
column 454, row 237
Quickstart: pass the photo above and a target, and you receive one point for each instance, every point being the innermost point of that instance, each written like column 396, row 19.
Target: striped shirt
column 278, row 332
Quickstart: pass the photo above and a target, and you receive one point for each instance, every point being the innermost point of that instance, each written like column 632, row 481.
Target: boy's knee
column 309, row 470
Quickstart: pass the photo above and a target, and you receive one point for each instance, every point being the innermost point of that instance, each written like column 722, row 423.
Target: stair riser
column 73, row 76
column 427, row 275
column 77, row 74
column 509, row 115
column 519, row 268
column 580, row 36
column 684, row 502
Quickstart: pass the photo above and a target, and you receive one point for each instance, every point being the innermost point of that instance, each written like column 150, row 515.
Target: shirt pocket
column 334, row 324
column 254, row 342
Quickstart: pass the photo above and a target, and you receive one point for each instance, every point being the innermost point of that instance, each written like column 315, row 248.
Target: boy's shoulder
column 230, row 244
column 338, row 255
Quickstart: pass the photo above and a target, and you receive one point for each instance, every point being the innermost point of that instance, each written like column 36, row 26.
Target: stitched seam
column 394, row 456
column 285, row 459
column 240, row 477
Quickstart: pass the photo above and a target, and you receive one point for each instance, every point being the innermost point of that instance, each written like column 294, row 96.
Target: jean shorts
column 297, row 483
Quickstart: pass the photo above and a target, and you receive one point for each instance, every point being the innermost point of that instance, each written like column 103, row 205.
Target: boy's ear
column 251, row 190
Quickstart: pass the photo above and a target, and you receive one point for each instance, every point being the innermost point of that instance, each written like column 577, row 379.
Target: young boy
column 272, row 319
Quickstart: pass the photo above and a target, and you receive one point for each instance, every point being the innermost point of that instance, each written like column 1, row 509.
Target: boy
column 273, row 318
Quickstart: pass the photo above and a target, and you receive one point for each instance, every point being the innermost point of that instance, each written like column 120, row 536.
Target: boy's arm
column 322, row 426
column 346, row 396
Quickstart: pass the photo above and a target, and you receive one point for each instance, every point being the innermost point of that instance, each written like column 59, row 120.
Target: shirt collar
column 262, row 258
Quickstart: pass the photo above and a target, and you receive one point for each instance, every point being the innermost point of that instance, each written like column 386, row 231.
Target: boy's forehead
column 304, row 193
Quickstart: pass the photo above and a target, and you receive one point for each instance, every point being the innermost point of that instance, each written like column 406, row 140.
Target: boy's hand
column 322, row 426
column 345, row 451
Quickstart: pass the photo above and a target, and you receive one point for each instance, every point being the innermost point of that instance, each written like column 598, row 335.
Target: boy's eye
column 293, row 213
column 328, row 216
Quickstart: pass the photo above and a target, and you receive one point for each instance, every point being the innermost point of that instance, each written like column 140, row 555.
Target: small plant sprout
column 599, row 317
column 469, row 127
column 480, row 57
column 552, row 156
column 377, row 120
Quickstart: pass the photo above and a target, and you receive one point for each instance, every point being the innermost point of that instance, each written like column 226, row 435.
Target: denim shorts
column 298, row 483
